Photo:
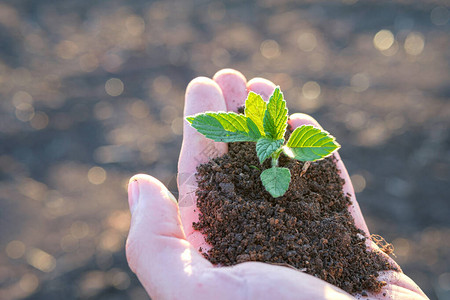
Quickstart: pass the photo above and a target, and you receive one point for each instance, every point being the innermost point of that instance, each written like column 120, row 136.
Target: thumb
column 154, row 214
column 156, row 248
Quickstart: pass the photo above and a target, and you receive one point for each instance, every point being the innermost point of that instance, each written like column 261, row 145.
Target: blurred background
column 91, row 92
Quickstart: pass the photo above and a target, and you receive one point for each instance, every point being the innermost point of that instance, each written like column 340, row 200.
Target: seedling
column 265, row 124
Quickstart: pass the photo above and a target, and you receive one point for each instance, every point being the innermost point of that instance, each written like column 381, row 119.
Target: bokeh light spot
column 118, row 279
column 121, row 280
column 359, row 182
column 79, row 229
column 306, row 41
column 162, row 84
column 39, row 121
column 28, row 283
column 41, row 260
column 284, row 80
column 88, row 62
column 355, row 120
column 21, row 97
column 33, row 189
column 96, row 175
column 114, row 87
column 360, row 82
column 67, row 50
column 135, row 25
column 402, row 248
column 91, row 283
column 15, row 249
column 414, row 43
column 111, row 62
column 24, row 112
column 383, row 40
column 111, row 241
column 120, row 220
column 392, row 50
column 139, row 109
column 373, row 135
column 168, row 114
column 177, row 126
column 270, row 49
column 311, row 90
column 440, row 15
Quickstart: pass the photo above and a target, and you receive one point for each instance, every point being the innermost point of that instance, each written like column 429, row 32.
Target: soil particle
column 227, row 187
column 309, row 228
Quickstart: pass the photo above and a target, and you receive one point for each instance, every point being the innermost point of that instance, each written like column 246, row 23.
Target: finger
column 156, row 247
column 398, row 286
column 234, row 88
column 299, row 119
column 262, row 87
column 202, row 94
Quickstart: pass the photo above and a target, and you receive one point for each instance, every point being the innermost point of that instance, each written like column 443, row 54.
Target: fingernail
column 133, row 194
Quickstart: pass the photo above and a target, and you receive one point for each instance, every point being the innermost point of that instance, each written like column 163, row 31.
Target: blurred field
column 91, row 92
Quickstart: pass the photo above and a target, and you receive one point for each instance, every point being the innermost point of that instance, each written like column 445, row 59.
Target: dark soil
column 309, row 228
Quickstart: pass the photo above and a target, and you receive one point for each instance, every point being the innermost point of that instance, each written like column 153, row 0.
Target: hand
column 162, row 245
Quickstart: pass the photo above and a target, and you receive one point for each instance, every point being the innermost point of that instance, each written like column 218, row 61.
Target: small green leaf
column 308, row 143
column 255, row 107
column 275, row 117
column 276, row 180
column 265, row 147
column 223, row 127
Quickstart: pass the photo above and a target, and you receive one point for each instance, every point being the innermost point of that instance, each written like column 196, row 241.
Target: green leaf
column 265, row 147
column 253, row 130
column 275, row 117
column 308, row 143
column 224, row 127
column 276, row 180
column 255, row 107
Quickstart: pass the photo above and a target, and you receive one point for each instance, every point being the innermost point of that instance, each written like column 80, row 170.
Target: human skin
column 162, row 247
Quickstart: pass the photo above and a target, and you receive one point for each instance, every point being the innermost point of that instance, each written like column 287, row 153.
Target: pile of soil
column 309, row 228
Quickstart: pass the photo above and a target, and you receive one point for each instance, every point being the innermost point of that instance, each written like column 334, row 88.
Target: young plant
column 265, row 124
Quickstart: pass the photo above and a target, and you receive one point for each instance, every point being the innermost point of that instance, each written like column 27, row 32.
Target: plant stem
column 305, row 168
column 275, row 157
column 274, row 161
